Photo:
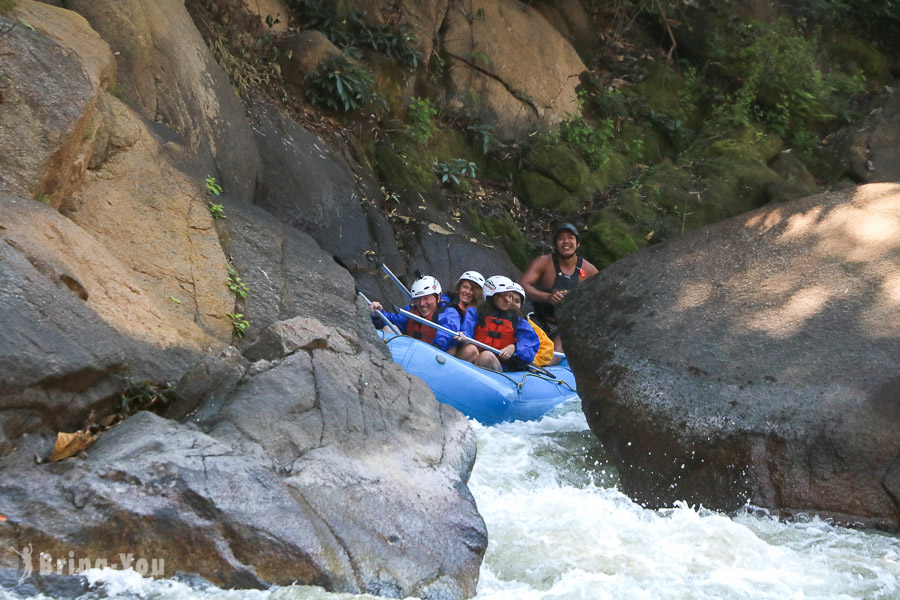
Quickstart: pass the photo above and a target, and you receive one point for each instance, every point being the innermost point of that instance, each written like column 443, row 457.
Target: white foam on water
column 556, row 533
column 559, row 529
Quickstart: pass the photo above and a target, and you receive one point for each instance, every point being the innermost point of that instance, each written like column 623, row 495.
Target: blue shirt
column 527, row 341
column 448, row 318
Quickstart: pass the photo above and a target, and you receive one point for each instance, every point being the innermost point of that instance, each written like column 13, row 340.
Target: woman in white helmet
column 466, row 294
column 496, row 323
column 544, row 354
column 427, row 303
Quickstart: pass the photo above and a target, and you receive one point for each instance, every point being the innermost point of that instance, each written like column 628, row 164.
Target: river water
column 559, row 529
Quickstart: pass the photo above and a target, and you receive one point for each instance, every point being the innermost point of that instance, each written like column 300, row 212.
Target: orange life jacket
column 420, row 331
column 497, row 330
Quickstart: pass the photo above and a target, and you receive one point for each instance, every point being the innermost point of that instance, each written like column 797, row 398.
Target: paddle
column 394, row 278
column 384, row 318
column 514, row 361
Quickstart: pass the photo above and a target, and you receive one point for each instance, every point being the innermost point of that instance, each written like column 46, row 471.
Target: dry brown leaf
column 70, row 444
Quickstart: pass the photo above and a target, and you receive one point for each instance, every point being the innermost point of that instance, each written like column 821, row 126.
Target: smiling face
column 426, row 305
column 466, row 292
column 566, row 244
column 515, row 300
column 503, row 300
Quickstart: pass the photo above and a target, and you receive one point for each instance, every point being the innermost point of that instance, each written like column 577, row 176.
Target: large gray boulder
column 754, row 360
column 320, row 463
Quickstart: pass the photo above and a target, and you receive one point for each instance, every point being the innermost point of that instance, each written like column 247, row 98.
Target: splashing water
column 559, row 529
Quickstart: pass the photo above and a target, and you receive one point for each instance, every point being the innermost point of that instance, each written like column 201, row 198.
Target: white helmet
column 496, row 285
column 519, row 290
column 425, row 287
column 473, row 276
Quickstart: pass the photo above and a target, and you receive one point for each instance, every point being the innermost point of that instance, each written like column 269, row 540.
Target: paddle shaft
column 384, row 318
column 394, row 278
column 450, row 332
column 513, row 359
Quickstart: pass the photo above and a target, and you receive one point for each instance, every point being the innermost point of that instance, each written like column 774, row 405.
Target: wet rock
column 753, row 361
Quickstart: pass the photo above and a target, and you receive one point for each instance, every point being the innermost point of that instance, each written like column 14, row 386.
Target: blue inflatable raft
column 486, row 396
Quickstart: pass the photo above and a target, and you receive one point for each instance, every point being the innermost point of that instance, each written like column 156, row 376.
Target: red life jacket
column 497, row 330
column 420, row 331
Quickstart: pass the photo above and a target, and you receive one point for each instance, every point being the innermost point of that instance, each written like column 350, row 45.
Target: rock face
column 490, row 76
column 308, row 465
column 754, row 360
column 314, row 458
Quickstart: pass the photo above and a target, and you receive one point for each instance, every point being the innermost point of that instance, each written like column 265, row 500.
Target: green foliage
column 6, row 6
column 874, row 18
column 339, row 84
column 594, row 143
column 485, row 135
column 453, row 170
column 239, row 324
column 214, row 189
column 351, row 28
column 217, row 211
column 774, row 78
column 421, row 114
column 235, row 284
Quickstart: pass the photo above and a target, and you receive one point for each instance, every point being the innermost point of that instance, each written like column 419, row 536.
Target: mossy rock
column 389, row 81
column 635, row 209
column 667, row 186
column 504, row 169
column 542, row 193
column 447, row 144
column 559, row 162
column 854, row 54
column 403, row 166
column 609, row 238
column 644, row 144
column 660, row 89
column 742, row 144
column 504, row 230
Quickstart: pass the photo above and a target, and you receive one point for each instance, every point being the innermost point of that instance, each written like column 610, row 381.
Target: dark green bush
column 352, row 28
column 339, row 84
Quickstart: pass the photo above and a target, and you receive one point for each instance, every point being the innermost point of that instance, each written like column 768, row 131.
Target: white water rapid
column 559, row 529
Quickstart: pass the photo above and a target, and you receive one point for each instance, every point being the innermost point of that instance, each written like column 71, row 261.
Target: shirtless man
column 550, row 277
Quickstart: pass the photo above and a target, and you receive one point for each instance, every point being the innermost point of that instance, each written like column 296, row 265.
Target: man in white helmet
column 427, row 303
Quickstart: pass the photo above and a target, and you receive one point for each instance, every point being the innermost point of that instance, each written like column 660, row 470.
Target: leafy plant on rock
column 453, row 170
column 485, row 134
column 214, row 189
column 421, row 115
column 339, row 84
column 594, row 143
column 351, row 28
column 235, row 284
column 239, row 324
